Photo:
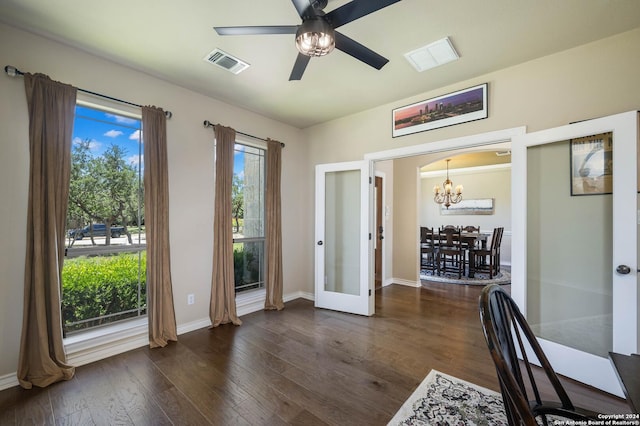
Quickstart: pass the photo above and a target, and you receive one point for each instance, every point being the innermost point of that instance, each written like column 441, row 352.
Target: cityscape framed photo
column 446, row 110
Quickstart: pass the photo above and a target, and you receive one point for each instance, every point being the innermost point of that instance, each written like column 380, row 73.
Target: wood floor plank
column 67, row 397
column 299, row 366
column 35, row 408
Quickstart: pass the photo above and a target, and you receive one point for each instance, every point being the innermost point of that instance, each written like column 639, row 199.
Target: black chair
column 487, row 259
column 451, row 253
column 470, row 230
column 506, row 332
column 428, row 250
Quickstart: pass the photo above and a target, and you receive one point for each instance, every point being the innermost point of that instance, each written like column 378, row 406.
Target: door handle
column 623, row 269
column 320, row 243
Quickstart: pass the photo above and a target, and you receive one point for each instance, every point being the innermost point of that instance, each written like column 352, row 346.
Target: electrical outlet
column 191, row 299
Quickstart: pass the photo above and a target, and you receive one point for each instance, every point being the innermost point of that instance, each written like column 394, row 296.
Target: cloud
column 123, row 120
column 135, row 135
column 113, row 133
column 135, row 160
column 94, row 145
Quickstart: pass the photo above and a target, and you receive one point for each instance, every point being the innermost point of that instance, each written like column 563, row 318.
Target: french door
column 575, row 247
column 343, row 273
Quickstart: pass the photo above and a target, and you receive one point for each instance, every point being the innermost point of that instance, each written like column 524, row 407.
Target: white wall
column 190, row 152
column 547, row 92
column 494, row 183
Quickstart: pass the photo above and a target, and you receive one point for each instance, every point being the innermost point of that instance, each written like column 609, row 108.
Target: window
column 103, row 276
column 248, row 217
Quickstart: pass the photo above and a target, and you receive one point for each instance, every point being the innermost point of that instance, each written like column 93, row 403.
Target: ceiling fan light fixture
column 315, row 37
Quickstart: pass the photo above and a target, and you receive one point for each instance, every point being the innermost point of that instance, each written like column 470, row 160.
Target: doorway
column 402, row 248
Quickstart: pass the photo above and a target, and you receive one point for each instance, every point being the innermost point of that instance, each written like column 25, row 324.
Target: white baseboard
column 299, row 295
column 109, row 341
column 407, row 283
column 8, row 381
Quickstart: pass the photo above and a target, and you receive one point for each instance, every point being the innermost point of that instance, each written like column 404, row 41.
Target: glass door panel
column 342, row 232
column 343, row 277
column 569, row 255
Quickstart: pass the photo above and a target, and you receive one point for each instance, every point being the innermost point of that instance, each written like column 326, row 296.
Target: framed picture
column 591, row 164
column 469, row 207
column 446, row 110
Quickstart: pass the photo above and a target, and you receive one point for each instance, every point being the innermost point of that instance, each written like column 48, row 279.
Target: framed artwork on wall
column 592, row 164
column 469, row 207
column 446, row 110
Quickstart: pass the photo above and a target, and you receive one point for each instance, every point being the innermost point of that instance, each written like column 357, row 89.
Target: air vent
column 432, row 55
column 226, row 61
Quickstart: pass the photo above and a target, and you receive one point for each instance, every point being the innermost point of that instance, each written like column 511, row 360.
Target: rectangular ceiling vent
column 226, row 61
column 432, row 55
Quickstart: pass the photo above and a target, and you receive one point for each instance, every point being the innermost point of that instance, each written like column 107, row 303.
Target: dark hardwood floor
column 300, row 366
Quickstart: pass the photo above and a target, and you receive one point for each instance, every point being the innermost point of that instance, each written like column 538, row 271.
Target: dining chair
column 451, row 252
column 471, row 230
column 507, row 334
column 428, row 250
column 487, row 259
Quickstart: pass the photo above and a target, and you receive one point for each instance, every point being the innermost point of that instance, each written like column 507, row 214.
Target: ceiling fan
column 316, row 36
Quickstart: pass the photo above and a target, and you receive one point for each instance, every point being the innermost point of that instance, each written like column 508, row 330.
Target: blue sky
column 104, row 129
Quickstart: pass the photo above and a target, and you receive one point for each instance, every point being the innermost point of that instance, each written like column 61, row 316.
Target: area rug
column 446, row 400
column 480, row 278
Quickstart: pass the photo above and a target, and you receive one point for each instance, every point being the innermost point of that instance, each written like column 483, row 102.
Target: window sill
column 250, row 301
column 93, row 345
column 103, row 342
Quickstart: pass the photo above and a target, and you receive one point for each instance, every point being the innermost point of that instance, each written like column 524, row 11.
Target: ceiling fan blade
column 304, row 8
column 354, row 10
column 267, row 29
column 360, row 52
column 299, row 67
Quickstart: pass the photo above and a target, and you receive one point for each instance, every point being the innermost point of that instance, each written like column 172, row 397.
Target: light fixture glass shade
column 447, row 195
column 315, row 37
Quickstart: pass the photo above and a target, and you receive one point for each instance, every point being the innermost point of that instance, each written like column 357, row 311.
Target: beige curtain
column 222, row 308
column 273, row 243
column 51, row 105
column 160, row 310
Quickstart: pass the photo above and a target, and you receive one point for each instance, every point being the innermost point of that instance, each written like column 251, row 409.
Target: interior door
column 343, row 275
column 379, row 232
column 574, row 266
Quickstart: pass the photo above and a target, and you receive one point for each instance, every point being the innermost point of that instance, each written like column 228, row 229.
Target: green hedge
column 101, row 285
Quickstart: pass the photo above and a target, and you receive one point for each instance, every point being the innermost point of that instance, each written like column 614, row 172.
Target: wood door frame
column 380, row 216
column 443, row 148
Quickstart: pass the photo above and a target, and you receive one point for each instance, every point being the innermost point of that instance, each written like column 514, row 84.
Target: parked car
column 99, row 230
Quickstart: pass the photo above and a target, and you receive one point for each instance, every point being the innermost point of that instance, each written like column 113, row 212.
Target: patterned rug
column 445, row 400
column 480, row 278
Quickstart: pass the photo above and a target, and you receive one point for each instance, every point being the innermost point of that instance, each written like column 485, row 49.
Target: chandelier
column 446, row 196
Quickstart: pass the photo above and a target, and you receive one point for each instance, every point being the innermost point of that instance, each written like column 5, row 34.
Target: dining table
column 470, row 239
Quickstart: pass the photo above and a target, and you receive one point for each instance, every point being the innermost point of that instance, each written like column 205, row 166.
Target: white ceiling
column 169, row 40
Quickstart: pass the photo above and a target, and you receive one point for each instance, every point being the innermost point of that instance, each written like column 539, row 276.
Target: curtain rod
column 207, row 123
column 13, row 71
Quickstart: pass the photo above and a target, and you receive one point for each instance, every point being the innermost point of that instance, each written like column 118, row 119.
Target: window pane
column 248, row 216
column 248, row 265
column 104, row 270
